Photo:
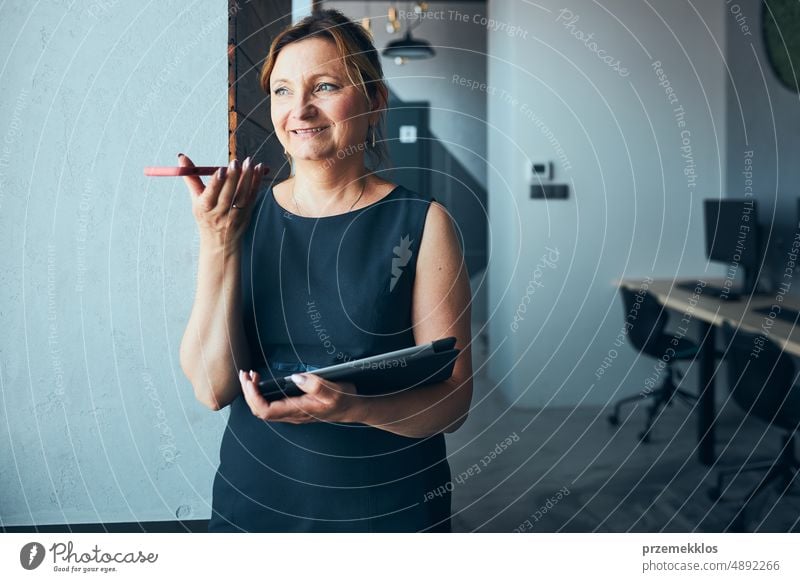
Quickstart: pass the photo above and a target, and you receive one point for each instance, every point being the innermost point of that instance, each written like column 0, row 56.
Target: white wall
column 98, row 421
column 632, row 211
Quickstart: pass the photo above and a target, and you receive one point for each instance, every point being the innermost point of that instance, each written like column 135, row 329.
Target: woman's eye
column 326, row 87
column 279, row 91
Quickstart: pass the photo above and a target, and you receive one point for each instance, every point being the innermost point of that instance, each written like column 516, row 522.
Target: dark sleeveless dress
column 317, row 292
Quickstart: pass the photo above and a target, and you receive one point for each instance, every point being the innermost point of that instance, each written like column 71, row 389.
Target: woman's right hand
column 223, row 207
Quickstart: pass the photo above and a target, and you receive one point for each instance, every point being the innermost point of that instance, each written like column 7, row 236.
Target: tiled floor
column 567, row 469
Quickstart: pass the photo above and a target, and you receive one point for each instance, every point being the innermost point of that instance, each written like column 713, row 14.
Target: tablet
column 381, row 374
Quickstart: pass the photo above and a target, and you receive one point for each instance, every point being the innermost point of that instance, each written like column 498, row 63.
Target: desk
column 711, row 312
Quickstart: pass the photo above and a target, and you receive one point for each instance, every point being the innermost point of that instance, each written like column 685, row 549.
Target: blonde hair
column 361, row 60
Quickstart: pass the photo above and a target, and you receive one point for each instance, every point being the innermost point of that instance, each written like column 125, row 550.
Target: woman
column 332, row 264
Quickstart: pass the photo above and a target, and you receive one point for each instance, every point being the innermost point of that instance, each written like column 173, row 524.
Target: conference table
column 710, row 312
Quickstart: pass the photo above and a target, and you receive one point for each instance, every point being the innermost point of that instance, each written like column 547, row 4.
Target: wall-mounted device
column 536, row 172
column 408, row 134
column 539, row 175
column 550, row 191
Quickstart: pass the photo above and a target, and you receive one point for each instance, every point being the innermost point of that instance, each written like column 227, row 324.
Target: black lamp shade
column 409, row 48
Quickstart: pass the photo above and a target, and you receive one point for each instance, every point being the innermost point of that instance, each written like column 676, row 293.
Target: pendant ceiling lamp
column 408, row 47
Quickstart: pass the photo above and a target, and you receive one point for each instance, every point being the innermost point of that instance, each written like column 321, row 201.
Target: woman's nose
column 303, row 106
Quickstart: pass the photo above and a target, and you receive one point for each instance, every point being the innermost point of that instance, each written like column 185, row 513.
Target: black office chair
column 647, row 335
column 763, row 385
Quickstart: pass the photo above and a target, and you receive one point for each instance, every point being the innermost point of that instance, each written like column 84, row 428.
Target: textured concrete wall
column 98, row 262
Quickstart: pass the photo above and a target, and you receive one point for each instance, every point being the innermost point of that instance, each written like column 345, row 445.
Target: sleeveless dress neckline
column 385, row 198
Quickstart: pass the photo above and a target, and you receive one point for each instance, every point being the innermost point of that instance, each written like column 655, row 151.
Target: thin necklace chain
column 363, row 186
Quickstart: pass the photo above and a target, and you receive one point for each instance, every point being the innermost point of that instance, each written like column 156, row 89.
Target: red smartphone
column 185, row 170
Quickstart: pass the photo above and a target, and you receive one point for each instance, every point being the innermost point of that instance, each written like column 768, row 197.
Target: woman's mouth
column 309, row 131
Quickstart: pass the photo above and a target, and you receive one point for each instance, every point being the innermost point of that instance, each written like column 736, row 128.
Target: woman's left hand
column 323, row 400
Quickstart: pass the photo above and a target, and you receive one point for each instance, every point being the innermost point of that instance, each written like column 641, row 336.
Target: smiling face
column 315, row 108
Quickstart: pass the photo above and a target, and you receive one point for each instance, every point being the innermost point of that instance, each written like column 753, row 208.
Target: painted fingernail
column 232, row 165
column 252, row 374
column 221, row 173
column 179, row 156
column 246, row 164
column 298, row 379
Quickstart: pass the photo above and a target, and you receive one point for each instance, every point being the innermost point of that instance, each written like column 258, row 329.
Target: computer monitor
column 732, row 236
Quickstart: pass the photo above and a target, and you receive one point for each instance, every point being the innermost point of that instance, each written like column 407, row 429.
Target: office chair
column 763, row 385
column 648, row 337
